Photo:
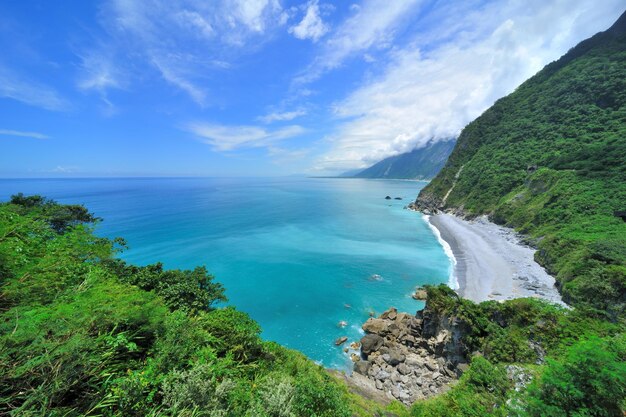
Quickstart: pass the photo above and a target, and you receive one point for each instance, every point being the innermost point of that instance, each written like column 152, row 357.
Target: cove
column 300, row 255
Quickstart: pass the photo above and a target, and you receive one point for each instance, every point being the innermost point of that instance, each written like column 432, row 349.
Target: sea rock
column 355, row 345
column 370, row 343
column 398, row 198
column 341, row 340
column 388, row 198
column 420, row 294
column 376, row 326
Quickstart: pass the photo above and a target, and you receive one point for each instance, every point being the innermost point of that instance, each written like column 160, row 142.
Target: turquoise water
column 297, row 254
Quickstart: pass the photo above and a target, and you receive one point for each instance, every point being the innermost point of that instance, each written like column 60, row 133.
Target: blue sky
column 260, row 87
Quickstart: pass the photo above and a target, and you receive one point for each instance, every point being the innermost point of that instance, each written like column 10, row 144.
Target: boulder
column 355, row 345
column 413, row 360
column 376, row 326
column 370, row 343
column 382, row 375
column 394, row 330
column 404, row 369
column 362, row 367
column 430, row 366
column 390, row 314
column 341, row 340
column 394, row 357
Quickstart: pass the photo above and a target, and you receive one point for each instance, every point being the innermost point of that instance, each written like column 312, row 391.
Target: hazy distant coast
column 491, row 262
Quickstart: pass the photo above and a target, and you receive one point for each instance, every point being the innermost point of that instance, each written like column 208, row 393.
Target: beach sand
column 491, row 261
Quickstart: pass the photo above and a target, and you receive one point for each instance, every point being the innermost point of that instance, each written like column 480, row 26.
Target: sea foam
column 453, row 281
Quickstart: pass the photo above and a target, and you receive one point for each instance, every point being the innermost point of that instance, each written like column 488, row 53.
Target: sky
column 261, row 87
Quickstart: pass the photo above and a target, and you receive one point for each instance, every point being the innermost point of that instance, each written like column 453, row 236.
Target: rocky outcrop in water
column 408, row 357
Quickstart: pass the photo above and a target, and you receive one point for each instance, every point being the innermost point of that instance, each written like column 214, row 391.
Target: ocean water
column 299, row 255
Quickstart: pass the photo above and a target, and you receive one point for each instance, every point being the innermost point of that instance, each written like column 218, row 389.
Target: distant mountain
column 351, row 174
column 421, row 163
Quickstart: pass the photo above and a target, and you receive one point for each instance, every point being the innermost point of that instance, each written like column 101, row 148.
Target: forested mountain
column 550, row 160
column 420, row 163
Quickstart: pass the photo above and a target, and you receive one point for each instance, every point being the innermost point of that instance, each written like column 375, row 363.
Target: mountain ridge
column 420, row 163
column 548, row 160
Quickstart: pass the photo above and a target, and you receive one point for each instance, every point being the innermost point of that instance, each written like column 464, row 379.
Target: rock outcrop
column 411, row 357
column 426, row 203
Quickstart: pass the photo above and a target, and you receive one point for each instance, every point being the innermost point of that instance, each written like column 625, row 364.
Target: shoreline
column 453, row 275
column 490, row 262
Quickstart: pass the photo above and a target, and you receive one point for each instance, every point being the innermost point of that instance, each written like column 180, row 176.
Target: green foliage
column 84, row 334
column 518, row 331
column 549, row 160
column 590, row 380
column 60, row 217
column 237, row 332
column 585, row 360
column 191, row 291
column 480, row 392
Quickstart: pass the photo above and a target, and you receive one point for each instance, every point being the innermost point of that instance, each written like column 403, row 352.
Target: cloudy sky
column 260, row 87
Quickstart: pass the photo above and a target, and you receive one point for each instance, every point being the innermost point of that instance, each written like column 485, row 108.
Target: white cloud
column 61, row 169
column 182, row 40
column 19, row 133
column 30, row 92
column 99, row 73
column 256, row 13
column 311, row 26
column 440, row 82
column 171, row 71
column 195, row 20
column 284, row 156
column 282, row 116
column 373, row 25
column 228, row 138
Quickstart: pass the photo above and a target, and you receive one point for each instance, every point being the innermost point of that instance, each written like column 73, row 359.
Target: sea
column 310, row 259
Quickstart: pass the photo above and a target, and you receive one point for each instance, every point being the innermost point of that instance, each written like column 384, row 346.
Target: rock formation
column 411, row 357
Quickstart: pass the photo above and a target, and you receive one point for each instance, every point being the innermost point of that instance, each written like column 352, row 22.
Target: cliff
column 548, row 160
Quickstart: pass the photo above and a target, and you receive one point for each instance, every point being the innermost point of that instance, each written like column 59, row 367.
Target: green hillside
column 550, row 160
column 421, row 163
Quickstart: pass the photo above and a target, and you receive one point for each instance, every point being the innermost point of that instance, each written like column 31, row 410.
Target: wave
column 453, row 281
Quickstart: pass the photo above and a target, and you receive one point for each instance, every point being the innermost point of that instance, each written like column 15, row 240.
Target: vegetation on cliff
column 549, row 160
column 530, row 359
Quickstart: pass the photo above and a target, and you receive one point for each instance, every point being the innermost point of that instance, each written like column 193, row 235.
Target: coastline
column 453, row 275
column 490, row 262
